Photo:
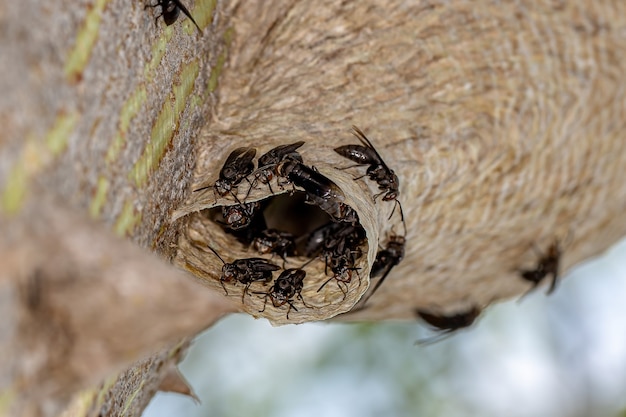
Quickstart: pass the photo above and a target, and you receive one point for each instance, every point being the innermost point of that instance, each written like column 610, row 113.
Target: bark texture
column 504, row 122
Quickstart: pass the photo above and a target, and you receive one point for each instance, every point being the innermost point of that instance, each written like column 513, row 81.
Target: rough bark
column 503, row 121
column 100, row 110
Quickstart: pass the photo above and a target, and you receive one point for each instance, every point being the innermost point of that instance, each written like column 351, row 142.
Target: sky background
column 562, row 355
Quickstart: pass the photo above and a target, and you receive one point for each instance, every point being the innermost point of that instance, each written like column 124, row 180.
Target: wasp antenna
column 216, row 254
column 252, row 185
column 399, row 205
column 324, row 284
column 202, row 188
column 306, row 263
column 221, row 223
column 236, row 199
column 401, row 215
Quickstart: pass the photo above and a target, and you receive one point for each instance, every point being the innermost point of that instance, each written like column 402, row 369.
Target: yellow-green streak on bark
column 56, row 139
column 129, row 111
column 15, row 189
column 104, row 390
column 165, row 124
column 228, row 36
column 200, row 99
column 85, row 40
column 33, row 158
column 202, row 14
column 162, row 132
column 99, row 199
column 175, row 350
column 6, row 399
column 196, row 100
column 127, row 219
column 131, row 398
column 183, row 90
column 158, row 50
column 215, row 72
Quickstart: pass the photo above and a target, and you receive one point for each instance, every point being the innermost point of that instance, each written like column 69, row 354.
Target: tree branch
column 82, row 303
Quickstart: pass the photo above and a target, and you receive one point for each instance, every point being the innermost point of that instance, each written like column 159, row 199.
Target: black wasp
column 245, row 221
column 237, row 167
column 377, row 171
column 241, row 215
column 386, row 259
column 275, row 241
column 289, row 284
column 342, row 266
column 548, row 264
column 170, row 10
column 269, row 161
column 447, row 324
column 334, row 238
column 246, row 271
column 340, row 246
column 319, row 190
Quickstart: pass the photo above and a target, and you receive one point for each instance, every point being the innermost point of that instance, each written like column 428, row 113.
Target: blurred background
column 562, row 355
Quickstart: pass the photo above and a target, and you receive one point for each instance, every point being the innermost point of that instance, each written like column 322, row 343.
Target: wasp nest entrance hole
column 273, row 225
column 281, row 257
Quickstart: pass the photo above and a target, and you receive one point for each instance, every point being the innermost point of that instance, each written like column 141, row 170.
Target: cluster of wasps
column 338, row 242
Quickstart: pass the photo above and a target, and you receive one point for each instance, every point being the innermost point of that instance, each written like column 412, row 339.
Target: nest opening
column 285, row 213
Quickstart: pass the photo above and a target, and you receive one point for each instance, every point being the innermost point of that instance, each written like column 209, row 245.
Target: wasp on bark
column 170, row 10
